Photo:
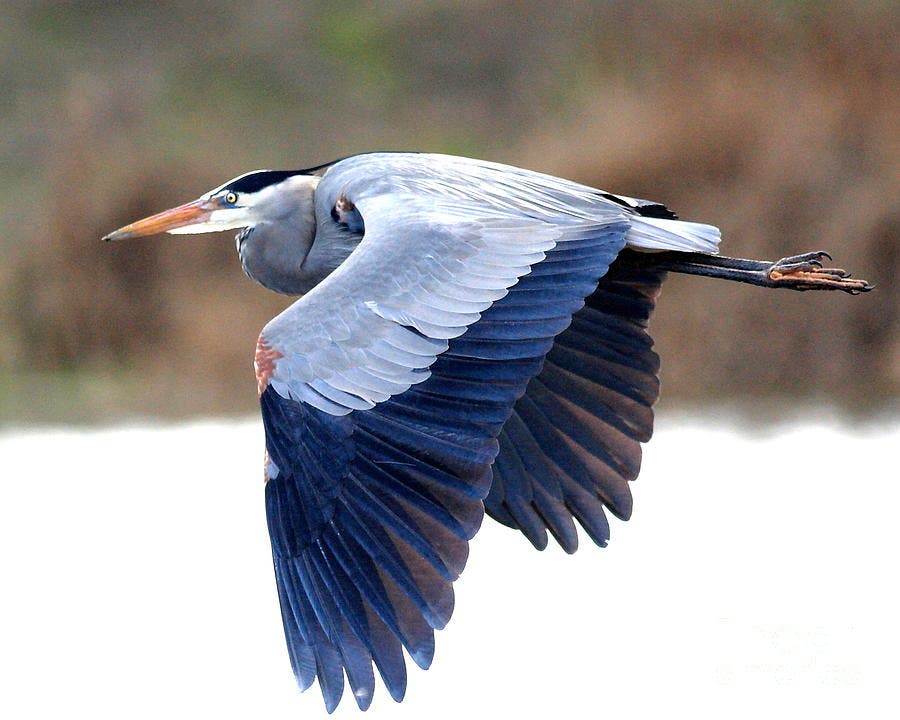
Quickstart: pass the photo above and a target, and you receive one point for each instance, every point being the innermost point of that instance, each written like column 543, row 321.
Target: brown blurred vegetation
column 777, row 121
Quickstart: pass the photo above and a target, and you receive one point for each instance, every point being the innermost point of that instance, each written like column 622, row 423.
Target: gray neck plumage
column 291, row 249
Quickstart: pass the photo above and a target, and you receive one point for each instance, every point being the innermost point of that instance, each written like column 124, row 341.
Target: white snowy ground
column 758, row 577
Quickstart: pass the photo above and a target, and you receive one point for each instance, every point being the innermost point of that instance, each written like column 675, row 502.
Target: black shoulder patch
column 656, row 210
column 644, row 208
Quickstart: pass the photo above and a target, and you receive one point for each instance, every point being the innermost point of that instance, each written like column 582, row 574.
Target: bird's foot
column 806, row 272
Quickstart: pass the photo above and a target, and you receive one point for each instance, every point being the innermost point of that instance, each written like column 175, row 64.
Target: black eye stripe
column 255, row 182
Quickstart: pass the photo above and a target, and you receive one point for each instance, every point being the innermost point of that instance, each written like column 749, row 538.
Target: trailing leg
column 800, row 272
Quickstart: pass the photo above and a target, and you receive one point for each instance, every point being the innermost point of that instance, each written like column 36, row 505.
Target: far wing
column 383, row 393
column 573, row 441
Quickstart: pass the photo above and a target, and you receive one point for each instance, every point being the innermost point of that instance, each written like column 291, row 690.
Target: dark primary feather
column 370, row 513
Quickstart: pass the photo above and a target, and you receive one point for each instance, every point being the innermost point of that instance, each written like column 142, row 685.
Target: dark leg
column 800, row 272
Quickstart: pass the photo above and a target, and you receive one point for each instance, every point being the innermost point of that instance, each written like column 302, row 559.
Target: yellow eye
column 230, row 198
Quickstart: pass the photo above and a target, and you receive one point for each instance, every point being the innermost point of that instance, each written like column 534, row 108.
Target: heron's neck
column 292, row 258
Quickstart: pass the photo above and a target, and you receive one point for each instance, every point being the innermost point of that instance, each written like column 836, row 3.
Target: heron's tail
column 651, row 233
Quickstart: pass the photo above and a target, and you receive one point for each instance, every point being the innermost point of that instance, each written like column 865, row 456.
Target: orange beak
column 193, row 213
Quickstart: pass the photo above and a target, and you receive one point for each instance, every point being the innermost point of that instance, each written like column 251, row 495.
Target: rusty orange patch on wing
column 264, row 363
column 265, row 467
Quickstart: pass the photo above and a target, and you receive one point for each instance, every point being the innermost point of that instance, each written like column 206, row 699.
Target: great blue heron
column 471, row 337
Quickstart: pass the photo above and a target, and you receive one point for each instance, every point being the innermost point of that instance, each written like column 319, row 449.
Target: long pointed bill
column 193, row 213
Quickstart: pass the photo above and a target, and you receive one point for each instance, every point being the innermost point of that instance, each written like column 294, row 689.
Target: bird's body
column 469, row 337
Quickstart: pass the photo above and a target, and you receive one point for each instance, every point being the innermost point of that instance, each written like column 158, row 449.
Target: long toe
column 805, row 277
column 815, row 258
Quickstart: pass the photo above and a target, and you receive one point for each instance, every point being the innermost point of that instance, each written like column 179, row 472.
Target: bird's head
column 282, row 246
column 245, row 201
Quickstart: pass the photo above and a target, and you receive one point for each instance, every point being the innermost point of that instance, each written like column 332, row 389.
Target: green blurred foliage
column 777, row 121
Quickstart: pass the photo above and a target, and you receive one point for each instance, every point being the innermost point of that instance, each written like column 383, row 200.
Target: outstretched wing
column 383, row 392
column 573, row 441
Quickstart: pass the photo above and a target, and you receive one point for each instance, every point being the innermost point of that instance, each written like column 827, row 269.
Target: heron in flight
column 469, row 337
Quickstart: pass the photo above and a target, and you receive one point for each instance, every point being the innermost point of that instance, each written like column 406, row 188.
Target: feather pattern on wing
column 574, row 440
column 437, row 251
column 382, row 419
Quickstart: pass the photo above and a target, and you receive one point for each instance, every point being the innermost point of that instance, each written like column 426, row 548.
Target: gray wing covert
column 422, row 275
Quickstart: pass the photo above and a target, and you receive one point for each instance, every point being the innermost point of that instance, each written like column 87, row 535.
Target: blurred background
column 777, row 121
